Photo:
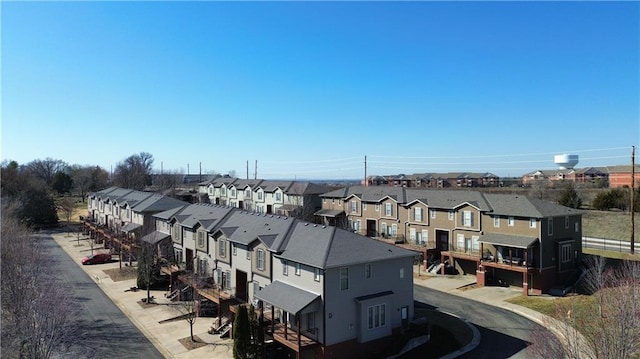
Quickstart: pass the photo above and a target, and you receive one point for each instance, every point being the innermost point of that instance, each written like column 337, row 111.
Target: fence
column 613, row 245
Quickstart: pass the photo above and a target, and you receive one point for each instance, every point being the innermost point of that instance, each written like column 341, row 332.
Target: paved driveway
column 504, row 334
column 103, row 330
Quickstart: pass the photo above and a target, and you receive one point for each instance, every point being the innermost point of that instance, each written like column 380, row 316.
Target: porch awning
column 508, row 240
column 329, row 212
column 289, row 298
column 130, row 227
column 154, row 237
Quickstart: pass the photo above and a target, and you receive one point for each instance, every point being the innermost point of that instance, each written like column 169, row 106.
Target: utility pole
column 365, row 171
column 200, row 175
column 632, row 204
column 247, row 169
column 255, row 172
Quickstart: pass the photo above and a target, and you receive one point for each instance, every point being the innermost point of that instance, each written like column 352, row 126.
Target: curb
column 475, row 341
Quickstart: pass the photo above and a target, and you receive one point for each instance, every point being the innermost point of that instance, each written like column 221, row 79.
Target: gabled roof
column 501, row 204
column 369, row 194
column 303, row 188
column 248, row 227
column 218, row 182
column 271, row 186
column 244, row 183
column 329, row 247
column 157, row 203
column 522, row 206
column 206, row 215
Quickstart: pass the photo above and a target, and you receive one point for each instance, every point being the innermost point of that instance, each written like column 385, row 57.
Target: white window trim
column 340, row 278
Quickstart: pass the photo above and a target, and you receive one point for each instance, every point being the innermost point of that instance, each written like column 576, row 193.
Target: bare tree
column 188, row 304
column 88, row 178
column 46, row 169
column 36, row 313
column 134, row 172
column 67, row 206
column 610, row 326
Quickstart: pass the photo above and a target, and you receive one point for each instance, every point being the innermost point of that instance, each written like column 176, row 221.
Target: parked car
column 97, row 258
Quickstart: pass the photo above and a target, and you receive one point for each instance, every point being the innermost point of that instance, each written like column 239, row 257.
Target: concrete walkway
column 166, row 336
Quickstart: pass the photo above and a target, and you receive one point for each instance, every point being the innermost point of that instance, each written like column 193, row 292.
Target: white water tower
column 565, row 161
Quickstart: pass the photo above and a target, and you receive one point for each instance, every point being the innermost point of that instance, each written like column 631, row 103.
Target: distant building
column 620, row 176
column 436, row 180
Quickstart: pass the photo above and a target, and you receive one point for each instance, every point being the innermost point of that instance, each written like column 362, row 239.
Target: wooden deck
column 508, row 266
column 290, row 339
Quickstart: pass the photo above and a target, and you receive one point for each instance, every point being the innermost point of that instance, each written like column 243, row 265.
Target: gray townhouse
column 314, row 294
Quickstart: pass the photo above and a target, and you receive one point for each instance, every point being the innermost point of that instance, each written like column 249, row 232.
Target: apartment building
column 320, row 301
column 436, row 180
column 506, row 238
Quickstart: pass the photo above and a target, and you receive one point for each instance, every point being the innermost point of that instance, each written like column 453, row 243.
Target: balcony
column 292, row 339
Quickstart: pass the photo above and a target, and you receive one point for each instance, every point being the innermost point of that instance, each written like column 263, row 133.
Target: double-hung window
column 200, row 239
column 297, row 269
column 511, row 221
column 354, row 207
column 260, row 259
column 222, row 248
column 417, row 214
column 467, row 218
column 388, row 210
column 344, row 278
column 316, row 274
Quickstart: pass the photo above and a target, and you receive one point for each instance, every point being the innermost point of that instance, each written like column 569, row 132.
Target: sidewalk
column 164, row 336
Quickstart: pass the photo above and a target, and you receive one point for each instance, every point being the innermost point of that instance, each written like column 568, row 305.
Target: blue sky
column 308, row 89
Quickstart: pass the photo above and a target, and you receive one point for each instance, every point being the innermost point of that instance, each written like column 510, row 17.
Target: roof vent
column 306, row 224
column 315, row 225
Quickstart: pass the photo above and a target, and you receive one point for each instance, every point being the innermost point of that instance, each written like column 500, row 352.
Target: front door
column 442, row 243
column 241, row 285
column 189, row 259
column 404, row 317
column 371, row 228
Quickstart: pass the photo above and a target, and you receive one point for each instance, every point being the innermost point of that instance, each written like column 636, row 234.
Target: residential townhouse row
column 288, row 198
column 322, row 300
column 498, row 237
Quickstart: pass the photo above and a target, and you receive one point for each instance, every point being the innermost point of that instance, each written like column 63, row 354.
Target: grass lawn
column 609, row 225
column 557, row 307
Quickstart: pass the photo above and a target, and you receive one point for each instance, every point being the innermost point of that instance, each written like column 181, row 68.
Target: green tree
column 569, row 198
column 37, row 207
column 242, row 334
column 61, row 183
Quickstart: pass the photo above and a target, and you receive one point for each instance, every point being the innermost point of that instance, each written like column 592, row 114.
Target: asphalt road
column 102, row 330
column 504, row 334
